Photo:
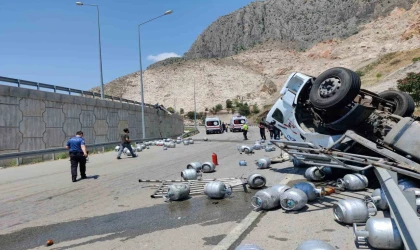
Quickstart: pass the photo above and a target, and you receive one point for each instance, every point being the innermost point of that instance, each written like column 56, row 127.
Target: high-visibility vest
column 245, row 127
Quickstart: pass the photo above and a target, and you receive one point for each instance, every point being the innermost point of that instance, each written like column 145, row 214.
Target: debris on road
column 266, row 199
column 256, row 181
column 317, row 173
column 263, row 163
column 242, row 163
column 195, row 165
column 178, row 191
column 248, row 247
column 309, row 189
column 208, row 167
column 190, row 174
column 293, row 199
column 50, row 243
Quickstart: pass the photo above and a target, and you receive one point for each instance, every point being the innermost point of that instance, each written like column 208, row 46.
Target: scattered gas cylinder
column 195, row 165
column 381, row 233
column 293, row 199
column 317, row 173
column 165, row 148
column 139, row 148
column 353, row 211
column 117, row 148
column 315, row 245
column 190, row 174
column 379, row 199
column 186, row 142
column 269, row 143
column 171, row 145
column 248, row 247
column 242, row 163
column 178, row 141
column 178, row 192
column 353, row 182
column 262, row 141
column 147, row 147
column 266, row 199
column 245, row 149
column 270, row 149
column 280, row 188
column 208, row 167
column 127, row 152
column 309, row 189
column 263, row 163
column 257, row 146
column 217, row 190
column 256, row 181
column 205, row 139
column 405, row 183
column 298, row 163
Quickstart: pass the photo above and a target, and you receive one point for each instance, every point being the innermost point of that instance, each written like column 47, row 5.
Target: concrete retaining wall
column 33, row 119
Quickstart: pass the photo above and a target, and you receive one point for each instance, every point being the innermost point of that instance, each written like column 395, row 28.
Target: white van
column 237, row 122
column 213, row 125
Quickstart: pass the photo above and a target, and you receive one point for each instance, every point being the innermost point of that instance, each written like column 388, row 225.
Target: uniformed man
column 125, row 143
column 78, row 154
column 245, row 131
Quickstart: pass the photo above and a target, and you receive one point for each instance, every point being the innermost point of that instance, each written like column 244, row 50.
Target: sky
column 56, row 41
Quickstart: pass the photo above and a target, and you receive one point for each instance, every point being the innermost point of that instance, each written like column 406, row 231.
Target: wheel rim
column 329, row 87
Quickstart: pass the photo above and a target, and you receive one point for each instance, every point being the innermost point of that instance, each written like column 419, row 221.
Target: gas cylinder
column 214, row 159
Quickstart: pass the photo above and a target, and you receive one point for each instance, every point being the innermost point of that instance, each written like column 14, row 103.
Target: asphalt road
column 112, row 210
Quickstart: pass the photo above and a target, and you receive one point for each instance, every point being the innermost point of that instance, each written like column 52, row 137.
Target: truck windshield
column 239, row 121
column 212, row 123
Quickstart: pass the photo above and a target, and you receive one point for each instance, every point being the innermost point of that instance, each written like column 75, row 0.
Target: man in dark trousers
column 262, row 130
column 223, row 127
column 125, row 143
column 78, row 154
column 245, row 131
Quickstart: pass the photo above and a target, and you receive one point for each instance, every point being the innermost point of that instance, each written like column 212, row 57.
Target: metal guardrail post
column 405, row 217
column 69, row 91
column 55, row 89
column 37, row 86
column 18, row 83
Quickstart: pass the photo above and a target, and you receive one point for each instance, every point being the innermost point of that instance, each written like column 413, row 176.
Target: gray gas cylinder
column 217, row 190
column 309, row 189
column 353, row 211
column 381, row 233
column 353, row 182
column 315, row 245
column 293, row 199
column 256, row 181
column 208, row 167
column 195, row 165
column 266, row 199
column 178, row 191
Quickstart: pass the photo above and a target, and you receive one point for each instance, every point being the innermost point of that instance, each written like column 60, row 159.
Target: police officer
column 245, row 131
column 78, row 154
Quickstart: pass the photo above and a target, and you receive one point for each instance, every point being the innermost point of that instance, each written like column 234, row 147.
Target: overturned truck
column 334, row 117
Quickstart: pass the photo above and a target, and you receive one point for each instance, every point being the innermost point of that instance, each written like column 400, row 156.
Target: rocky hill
column 381, row 50
column 297, row 24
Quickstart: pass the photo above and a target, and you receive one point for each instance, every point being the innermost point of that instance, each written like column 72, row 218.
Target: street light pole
column 195, row 110
column 100, row 51
column 141, row 74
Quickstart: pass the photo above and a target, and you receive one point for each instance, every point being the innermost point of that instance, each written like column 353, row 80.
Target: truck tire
column 404, row 102
column 334, row 88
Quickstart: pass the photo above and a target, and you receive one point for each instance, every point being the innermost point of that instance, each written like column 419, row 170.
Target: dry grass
column 387, row 64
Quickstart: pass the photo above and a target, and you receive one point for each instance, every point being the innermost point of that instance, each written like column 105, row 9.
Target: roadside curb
column 240, row 229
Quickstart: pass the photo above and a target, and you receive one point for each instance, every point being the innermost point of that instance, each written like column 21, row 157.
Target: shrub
column 411, row 85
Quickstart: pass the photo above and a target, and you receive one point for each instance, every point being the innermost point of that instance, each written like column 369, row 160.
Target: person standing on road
column 262, row 130
column 223, row 127
column 125, row 143
column 78, row 154
column 245, row 131
column 271, row 130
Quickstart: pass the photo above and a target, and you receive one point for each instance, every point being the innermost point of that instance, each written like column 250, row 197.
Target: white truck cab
column 283, row 114
column 237, row 122
column 213, row 125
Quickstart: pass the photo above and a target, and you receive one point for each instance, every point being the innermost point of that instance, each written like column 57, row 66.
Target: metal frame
column 69, row 91
column 402, row 210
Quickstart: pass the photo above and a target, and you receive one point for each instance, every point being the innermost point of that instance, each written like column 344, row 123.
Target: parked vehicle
column 213, row 125
column 331, row 110
column 237, row 122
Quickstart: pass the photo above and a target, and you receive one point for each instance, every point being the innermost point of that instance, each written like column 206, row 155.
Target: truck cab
column 283, row 113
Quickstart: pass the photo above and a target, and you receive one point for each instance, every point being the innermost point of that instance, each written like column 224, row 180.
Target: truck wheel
column 404, row 102
column 335, row 88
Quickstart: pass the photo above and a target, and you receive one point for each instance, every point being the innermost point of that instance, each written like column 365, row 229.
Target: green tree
column 170, row 109
column 213, row 110
column 411, row 85
column 243, row 109
column 218, row 107
column 233, row 110
column 181, row 111
column 190, row 115
column 206, row 109
column 229, row 104
column 255, row 109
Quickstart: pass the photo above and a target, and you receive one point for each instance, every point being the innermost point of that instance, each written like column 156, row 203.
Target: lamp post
column 195, row 110
column 100, row 52
column 141, row 74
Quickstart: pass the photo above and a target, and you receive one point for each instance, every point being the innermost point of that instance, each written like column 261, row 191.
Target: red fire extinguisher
column 214, row 159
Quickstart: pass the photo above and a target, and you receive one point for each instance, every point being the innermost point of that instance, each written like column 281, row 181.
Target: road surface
column 112, row 210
